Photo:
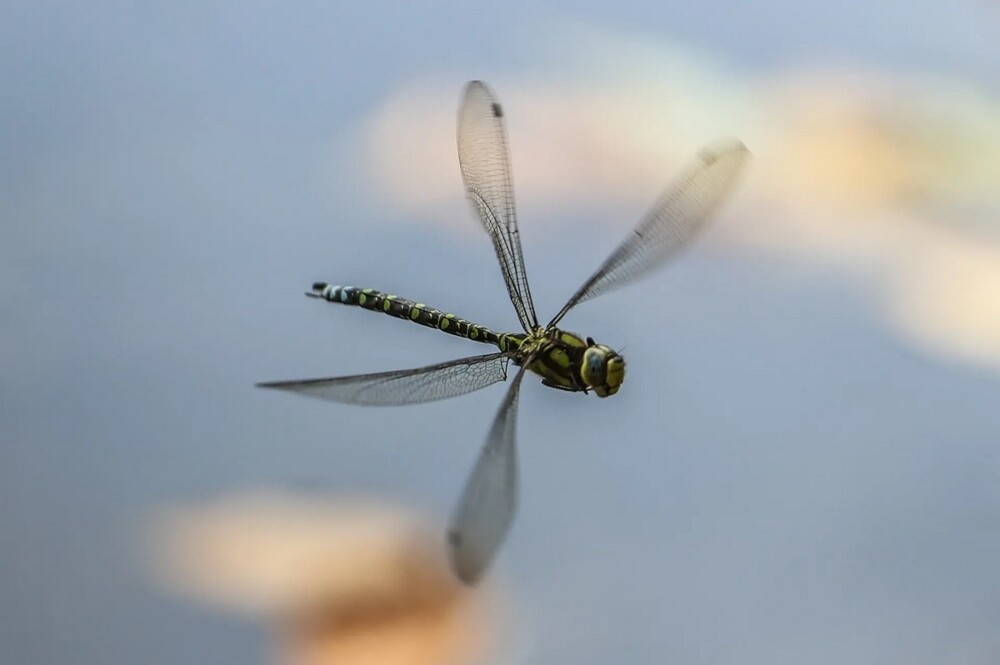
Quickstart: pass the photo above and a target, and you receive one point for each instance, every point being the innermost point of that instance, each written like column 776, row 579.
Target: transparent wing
column 489, row 499
column 407, row 386
column 485, row 161
column 675, row 218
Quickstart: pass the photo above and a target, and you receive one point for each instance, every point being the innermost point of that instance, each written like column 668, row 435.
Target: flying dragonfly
column 562, row 359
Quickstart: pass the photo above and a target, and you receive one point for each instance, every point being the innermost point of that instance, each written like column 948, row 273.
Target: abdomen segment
column 401, row 308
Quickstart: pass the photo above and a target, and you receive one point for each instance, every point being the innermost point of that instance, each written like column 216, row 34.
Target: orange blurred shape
column 342, row 581
column 836, row 150
column 948, row 297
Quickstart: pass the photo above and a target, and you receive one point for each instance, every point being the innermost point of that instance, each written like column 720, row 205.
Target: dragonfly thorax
column 567, row 361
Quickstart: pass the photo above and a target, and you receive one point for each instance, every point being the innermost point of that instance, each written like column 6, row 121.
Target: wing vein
column 485, row 161
column 677, row 216
column 407, row 386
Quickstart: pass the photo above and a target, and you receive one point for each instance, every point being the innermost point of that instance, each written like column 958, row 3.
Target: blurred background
column 802, row 466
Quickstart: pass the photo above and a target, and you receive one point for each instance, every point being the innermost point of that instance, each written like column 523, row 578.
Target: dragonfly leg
column 559, row 386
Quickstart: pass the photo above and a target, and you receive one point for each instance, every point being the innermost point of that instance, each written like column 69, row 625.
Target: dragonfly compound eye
column 595, row 365
column 603, row 370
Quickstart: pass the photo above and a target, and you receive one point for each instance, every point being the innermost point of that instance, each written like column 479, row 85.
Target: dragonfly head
column 603, row 369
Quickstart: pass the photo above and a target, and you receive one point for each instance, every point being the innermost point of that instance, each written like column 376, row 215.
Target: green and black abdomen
column 401, row 308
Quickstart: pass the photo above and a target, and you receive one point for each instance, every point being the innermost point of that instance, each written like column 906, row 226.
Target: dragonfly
column 564, row 360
